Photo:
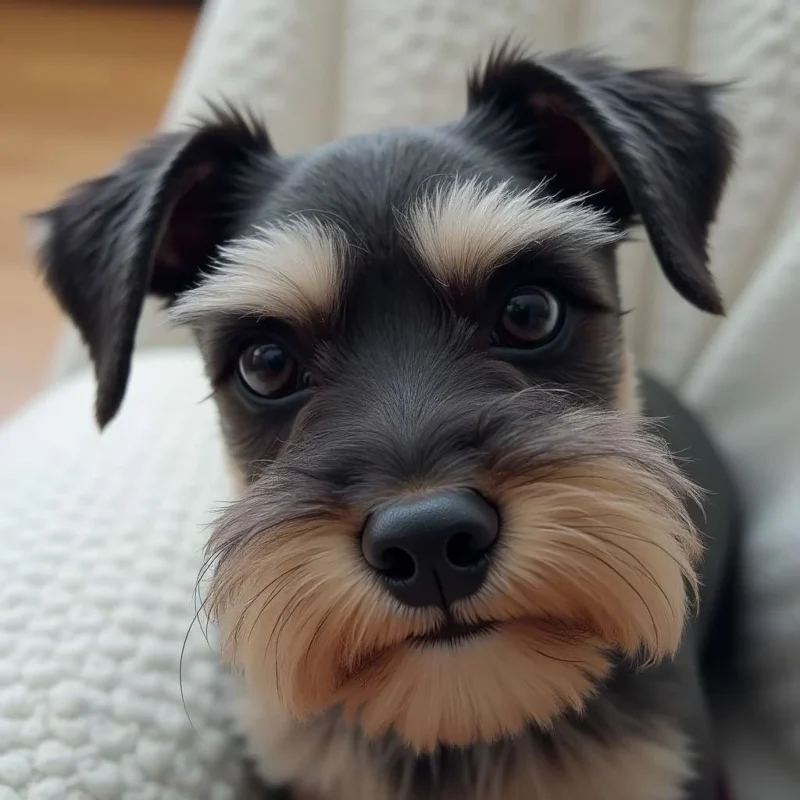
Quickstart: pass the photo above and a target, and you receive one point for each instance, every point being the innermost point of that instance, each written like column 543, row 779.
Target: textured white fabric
column 100, row 547
column 322, row 68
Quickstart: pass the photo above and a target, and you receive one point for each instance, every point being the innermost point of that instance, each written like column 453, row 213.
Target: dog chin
column 470, row 684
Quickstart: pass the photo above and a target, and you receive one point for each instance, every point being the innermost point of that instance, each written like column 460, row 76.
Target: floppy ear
column 149, row 226
column 645, row 145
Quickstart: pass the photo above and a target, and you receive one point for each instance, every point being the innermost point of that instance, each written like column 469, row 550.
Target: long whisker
column 619, row 574
column 289, row 610
column 180, row 668
column 643, row 569
column 318, row 630
column 283, row 580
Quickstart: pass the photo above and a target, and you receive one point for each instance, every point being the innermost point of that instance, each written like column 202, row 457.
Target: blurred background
column 79, row 83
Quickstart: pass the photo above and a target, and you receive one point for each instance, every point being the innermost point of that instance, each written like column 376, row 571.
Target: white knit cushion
column 100, row 547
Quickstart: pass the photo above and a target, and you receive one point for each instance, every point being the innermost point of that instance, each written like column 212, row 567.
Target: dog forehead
column 306, row 222
column 384, row 208
column 361, row 182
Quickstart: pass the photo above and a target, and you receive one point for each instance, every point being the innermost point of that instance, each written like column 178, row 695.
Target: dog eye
column 269, row 371
column 532, row 317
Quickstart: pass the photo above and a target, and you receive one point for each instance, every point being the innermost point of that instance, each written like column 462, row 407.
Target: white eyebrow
column 293, row 272
column 464, row 229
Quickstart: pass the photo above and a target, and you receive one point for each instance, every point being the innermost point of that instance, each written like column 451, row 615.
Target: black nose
column 433, row 549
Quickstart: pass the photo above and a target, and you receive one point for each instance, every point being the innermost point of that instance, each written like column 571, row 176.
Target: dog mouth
column 454, row 633
column 450, row 634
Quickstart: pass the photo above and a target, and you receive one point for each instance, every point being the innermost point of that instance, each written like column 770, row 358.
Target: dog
column 463, row 564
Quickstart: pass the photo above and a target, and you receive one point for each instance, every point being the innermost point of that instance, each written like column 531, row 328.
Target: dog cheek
column 601, row 545
column 300, row 614
column 265, row 594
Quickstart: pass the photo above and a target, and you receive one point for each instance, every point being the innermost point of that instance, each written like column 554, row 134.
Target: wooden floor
column 79, row 82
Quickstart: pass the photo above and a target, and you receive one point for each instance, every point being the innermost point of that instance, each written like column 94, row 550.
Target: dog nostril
column 398, row 564
column 463, row 551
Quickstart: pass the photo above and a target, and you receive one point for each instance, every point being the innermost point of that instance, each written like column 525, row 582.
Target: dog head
column 452, row 520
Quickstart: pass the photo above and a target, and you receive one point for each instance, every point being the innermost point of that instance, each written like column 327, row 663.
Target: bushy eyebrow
column 461, row 231
column 293, row 272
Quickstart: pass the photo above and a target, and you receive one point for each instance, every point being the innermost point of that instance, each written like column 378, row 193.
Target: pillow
column 102, row 540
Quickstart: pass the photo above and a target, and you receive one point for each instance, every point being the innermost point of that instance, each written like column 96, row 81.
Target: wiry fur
column 597, row 552
column 292, row 272
column 655, row 766
column 462, row 230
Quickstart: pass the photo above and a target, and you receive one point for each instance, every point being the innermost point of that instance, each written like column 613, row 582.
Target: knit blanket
column 101, row 544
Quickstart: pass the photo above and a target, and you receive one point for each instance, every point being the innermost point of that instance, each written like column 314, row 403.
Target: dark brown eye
column 531, row 317
column 268, row 370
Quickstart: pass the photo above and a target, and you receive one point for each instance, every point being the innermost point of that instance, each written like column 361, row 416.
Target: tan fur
column 323, row 760
column 320, row 761
column 462, row 231
column 481, row 690
column 609, row 548
column 292, row 272
column 595, row 556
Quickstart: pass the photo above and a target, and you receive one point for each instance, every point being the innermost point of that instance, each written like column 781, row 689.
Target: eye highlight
column 268, row 371
column 531, row 317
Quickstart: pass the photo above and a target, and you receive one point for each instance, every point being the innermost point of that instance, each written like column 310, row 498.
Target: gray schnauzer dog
column 463, row 564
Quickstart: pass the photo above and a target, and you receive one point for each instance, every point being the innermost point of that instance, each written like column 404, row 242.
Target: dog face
column 451, row 522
